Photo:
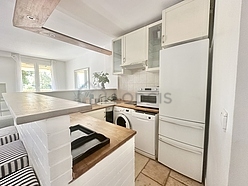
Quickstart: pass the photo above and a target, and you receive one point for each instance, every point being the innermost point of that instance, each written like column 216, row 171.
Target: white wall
column 239, row 154
column 97, row 63
column 73, row 94
column 225, row 54
column 7, row 73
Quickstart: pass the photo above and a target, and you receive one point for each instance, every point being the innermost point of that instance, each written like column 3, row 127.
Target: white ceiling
column 93, row 21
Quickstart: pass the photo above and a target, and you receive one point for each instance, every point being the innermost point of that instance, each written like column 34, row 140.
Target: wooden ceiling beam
column 32, row 14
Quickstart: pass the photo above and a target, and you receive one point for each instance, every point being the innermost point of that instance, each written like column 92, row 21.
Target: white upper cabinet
column 129, row 49
column 154, row 45
column 185, row 21
column 136, row 46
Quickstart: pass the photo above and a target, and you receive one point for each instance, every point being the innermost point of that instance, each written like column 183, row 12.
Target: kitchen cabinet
column 117, row 55
column 185, row 21
column 98, row 114
column 154, row 45
column 130, row 49
column 135, row 44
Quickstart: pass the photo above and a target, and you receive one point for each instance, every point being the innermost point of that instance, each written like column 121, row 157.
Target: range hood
column 135, row 65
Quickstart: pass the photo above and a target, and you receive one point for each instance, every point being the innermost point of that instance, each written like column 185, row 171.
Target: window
column 36, row 76
column 82, row 78
column 45, row 73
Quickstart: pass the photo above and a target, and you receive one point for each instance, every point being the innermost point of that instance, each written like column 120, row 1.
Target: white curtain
column 57, row 82
column 54, row 75
column 17, row 59
column 58, row 78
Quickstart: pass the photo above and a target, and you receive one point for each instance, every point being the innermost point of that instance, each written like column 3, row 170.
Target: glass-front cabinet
column 142, row 45
column 117, row 55
column 154, row 45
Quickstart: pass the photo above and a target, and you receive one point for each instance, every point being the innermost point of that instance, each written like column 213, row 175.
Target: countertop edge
column 50, row 114
column 117, row 139
column 29, row 107
column 78, row 174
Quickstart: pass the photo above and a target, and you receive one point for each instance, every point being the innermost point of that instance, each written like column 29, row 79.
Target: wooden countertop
column 28, row 107
column 145, row 109
column 125, row 105
column 97, row 107
column 118, row 136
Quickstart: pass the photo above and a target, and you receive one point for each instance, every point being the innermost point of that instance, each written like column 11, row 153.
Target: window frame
column 87, row 83
column 36, row 62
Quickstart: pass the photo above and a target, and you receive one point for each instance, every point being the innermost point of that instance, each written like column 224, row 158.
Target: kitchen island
column 113, row 164
column 43, row 124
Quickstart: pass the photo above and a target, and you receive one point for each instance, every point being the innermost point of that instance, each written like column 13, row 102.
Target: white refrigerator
column 183, row 90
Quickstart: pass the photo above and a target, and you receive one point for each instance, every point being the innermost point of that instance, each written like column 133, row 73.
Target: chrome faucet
column 100, row 97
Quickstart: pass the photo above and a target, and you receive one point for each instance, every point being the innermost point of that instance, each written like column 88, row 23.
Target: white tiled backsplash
column 128, row 85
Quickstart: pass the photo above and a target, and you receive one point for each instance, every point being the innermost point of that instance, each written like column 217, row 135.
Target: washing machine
column 123, row 117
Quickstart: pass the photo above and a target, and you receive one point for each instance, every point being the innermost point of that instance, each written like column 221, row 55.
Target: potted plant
column 100, row 78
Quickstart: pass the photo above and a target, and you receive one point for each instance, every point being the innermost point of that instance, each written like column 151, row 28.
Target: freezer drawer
column 180, row 157
column 184, row 131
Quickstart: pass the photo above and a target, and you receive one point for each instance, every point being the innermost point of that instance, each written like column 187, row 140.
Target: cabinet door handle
column 176, row 146
column 163, row 39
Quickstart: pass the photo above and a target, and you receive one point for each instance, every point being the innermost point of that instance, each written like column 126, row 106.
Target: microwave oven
column 148, row 97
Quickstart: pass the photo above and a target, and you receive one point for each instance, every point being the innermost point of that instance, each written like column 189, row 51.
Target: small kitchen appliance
column 148, row 97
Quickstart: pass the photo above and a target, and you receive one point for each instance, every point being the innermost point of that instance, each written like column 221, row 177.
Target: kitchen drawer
column 186, row 159
column 184, row 131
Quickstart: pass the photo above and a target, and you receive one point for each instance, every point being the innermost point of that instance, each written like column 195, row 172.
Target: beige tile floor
column 151, row 173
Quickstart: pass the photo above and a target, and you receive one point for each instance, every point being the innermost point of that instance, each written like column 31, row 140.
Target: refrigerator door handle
column 176, row 146
column 184, row 125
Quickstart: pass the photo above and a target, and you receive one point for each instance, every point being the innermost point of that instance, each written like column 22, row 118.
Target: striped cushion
column 23, row 177
column 9, row 138
column 13, row 157
column 8, row 134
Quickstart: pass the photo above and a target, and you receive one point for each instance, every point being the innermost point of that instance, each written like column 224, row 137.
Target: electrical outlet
column 224, row 118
